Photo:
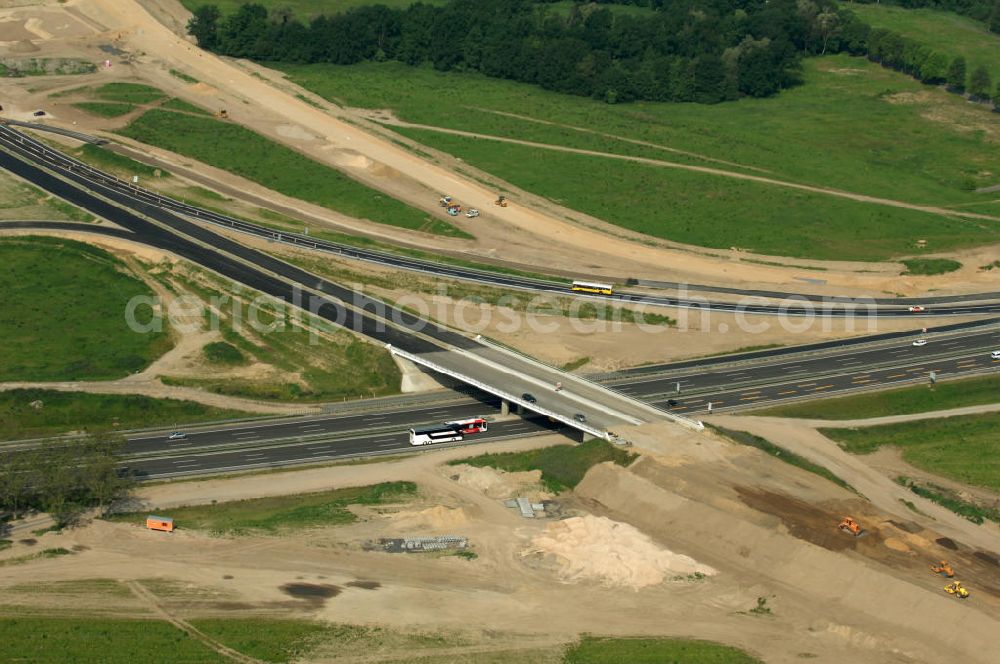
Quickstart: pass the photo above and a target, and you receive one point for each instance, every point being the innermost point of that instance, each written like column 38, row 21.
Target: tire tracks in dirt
column 143, row 593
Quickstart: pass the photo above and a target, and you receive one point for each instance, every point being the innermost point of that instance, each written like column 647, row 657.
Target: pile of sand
column 438, row 518
column 499, row 483
column 612, row 553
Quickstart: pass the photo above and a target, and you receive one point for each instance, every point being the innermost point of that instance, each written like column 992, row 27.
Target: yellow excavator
column 501, row 200
column 955, row 588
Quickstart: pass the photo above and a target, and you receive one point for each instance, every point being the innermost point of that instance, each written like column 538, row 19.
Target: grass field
column 64, row 313
column 562, row 466
column 41, row 639
column 104, row 109
column 233, row 148
column 931, row 266
column 602, row 650
column 853, row 126
column 22, row 201
column 277, row 641
column 61, row 412
column 965, row 449
column 97, row 641
column 945, row 32
column 46, row 640
column 181, row 105
column 919, row 399
column 129, row 93
column 283, row 513
column 115, row 163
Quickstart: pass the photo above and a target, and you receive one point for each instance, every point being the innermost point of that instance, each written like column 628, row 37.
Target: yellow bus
column 591, row 287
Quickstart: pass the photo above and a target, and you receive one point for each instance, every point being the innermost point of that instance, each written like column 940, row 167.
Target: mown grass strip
column 611, row 650
column 37, row 413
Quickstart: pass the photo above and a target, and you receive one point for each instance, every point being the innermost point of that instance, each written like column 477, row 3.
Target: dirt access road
column 520, row 233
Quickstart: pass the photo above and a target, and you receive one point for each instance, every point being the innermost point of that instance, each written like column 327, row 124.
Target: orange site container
column 164, row 523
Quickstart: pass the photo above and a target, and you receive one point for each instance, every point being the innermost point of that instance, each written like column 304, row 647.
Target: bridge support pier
column 579, row 436
column 504, row 407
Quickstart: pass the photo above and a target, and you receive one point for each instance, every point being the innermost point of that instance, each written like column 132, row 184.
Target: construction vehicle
column 472, row 213
column 955, row 588
column 445, row 201
column 943, row 568
column 501, row 200
column 222, row 114
column 849, row 525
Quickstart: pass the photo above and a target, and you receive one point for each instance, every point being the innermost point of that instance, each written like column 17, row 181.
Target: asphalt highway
column 144, row 201
column 251, row 445
column 246, row 451
column 766, row 377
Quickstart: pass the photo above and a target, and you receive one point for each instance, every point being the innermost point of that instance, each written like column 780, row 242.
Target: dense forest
column 681, row 50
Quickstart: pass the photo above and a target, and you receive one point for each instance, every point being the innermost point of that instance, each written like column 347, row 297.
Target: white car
column 917, row 309
column 920, row 342
column 472, row 213
column 995, row 355
column 177, row 435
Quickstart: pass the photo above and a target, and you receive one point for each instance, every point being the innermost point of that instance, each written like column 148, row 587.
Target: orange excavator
column 943, row 568
column 849, row 525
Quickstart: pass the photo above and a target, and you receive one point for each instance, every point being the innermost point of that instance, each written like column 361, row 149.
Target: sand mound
column 612, row 553
column 498, row 483
column 203, row 88
column 24, row 46
column 897, row 545
column 435, row 518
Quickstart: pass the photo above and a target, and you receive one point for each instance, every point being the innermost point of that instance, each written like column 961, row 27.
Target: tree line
column 683, row 50
column 909, row 56
column 704, row 51
column 63, row 479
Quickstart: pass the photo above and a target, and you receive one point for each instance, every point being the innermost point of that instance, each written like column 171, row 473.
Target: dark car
column 580, row 417
column 673, row 402
column 529, row 397
column 38, row 114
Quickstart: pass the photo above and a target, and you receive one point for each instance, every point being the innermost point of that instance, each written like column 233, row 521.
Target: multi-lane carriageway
column 728, row 385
